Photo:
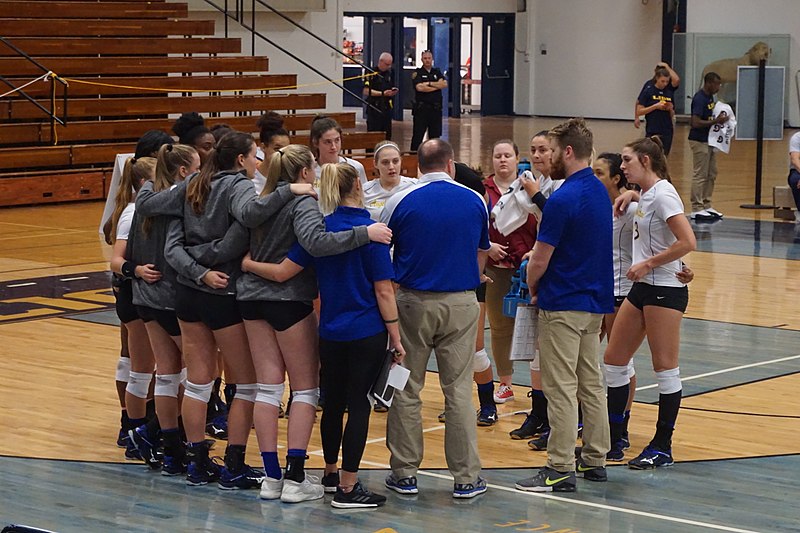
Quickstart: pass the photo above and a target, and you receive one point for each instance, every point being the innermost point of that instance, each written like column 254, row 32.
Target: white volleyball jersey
column 623, row 249
column 125, row 221
column 651, row 234
column 375, row 195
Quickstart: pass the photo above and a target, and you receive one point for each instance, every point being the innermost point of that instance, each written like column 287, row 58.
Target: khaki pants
column 448, row 324
column 501, row 326
column 569, row 343
column 704, row 162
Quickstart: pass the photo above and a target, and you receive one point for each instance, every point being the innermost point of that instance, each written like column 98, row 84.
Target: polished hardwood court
column 740, row 365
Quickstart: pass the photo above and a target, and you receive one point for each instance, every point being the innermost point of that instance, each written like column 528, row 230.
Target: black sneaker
column 487, row 416
column 218, row 427
column 652, row 457
column 330, row 482
column 131, row 453
column 469, row 490
column 531, row 428
column 548, row 480
column 245, row 479
column 402, row 485
column 590, row 473
column 147, row 450
column 359, row 497
column 540, row 442
column 625, row 440
column 441, row 417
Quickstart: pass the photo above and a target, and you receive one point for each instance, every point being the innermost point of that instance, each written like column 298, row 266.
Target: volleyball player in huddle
column 155, row 304
column 536, row 426
column 656, row 302
column 191, row 130
column 326, row 145
column 134, row 174
column 281, row 325
column 388, row 164
column 500, row 268
column 272, row 137
column 208, row 203
column 358, row 318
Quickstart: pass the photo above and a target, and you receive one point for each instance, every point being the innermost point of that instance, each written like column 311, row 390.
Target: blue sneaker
column 652, row 457
column 487, row 416
column 617, row 452
column 173, row 466
column 218, row 427
column 147, row 450
column 122, row 439
column 247, row 478
column 131, row 453
column 470, row 490
column 202, row 472
column 402, row 485
column 625, row 440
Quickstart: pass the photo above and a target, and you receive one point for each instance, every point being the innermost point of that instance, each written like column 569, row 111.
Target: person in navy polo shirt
column 570, row 275
column 656, row 101
column 704, row 160
column 441, row 240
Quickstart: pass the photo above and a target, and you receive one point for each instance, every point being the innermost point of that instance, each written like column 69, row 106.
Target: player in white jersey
column 656, row 302
column 536, row 426
column 388, row 163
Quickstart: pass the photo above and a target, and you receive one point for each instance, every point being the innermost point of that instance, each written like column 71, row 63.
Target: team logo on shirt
column 414, row 75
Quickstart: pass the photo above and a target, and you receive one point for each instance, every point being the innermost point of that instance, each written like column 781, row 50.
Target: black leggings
column 348, row 371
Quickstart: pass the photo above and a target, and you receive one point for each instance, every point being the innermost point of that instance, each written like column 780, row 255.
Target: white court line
column 726, row 370
column 581, row 502
column 74, row 279
column 15, row 285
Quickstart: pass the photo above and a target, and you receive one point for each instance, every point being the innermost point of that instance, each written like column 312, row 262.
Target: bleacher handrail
column 47, row 74
column 239, row 17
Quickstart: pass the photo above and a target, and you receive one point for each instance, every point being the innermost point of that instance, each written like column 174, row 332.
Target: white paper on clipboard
column 398, row 377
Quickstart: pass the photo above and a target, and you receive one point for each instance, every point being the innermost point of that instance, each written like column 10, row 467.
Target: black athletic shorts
column 618, row 301
column 643, row 294
column 480, row 292
column 123, row 292
column 168, row 320
column 280, row 315
column 217, row 311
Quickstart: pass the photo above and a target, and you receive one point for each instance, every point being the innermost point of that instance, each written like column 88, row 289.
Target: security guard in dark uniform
column 379, row 91
column 428, row 84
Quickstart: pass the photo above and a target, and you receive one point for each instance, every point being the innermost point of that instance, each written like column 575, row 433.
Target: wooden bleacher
column 132, row 46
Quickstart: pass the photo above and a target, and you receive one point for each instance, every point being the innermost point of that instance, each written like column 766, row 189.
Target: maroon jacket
column 520, row 241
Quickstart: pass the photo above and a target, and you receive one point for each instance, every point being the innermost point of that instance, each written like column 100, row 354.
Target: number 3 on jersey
column 635, row 230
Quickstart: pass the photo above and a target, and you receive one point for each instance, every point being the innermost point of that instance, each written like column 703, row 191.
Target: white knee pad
column 184, row 377
column 535, row 361
column 631, row 370
column 246, row 392
column 669, row 381
column 123, row 369
column 139, row 384
column 269, row 393
column 201, row 393
column 617, row 376
column 167, row 385
column 309, row 396
column 481, row 361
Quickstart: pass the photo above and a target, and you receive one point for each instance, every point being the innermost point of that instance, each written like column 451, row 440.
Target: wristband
column 392, row 321
column 128, row 269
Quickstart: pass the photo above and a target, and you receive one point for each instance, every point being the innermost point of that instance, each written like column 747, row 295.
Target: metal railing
column 238, row 14
column 48, row 74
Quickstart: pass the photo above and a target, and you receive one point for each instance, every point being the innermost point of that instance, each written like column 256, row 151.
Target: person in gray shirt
column 208, row 204
column 281, row 325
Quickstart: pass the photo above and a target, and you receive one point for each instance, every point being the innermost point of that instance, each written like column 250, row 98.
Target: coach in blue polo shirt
column 441, row 237
column 571, row 274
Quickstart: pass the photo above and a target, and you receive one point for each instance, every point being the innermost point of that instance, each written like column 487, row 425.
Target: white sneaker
column 702, row 215
column 309, row 489
column 503, row 394
column 271, row 488
column 713, row 212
